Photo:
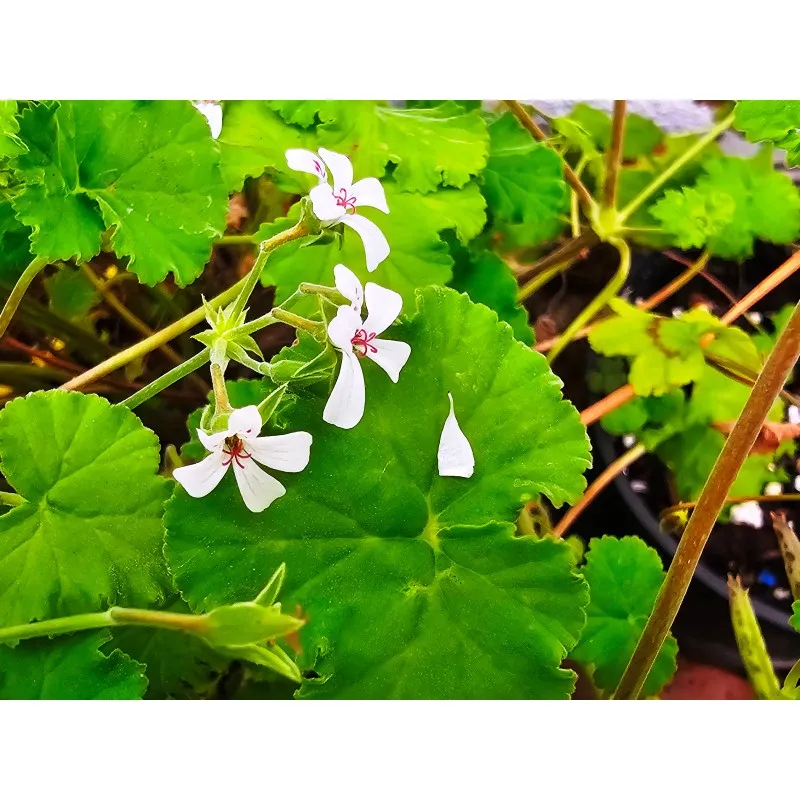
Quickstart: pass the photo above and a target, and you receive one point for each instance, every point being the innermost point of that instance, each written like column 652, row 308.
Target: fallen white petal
column 369, row 192
column 289, row 452
column 345, row 406
column 213, row 114
column 201, row 478
column 749, row 513
column 455, row 454
column 306, row 161
column 376, row 248
column 324, row 204
column 349, row 285
column 390, row 355
column 258, row 489
column 341, row 169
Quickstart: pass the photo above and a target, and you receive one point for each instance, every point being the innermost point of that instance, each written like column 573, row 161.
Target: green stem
column 221, row 402
column 325, row 291
column 237, row 238
column 280, row 315
column 261, row 367
column 11, row 499
column 541, row 279
column 177, row 328
column 166, row 380
column 614, row 155
column 599, row 301
column 677, row 164
column 17, row 293
column 793, row 678
column 712, row 499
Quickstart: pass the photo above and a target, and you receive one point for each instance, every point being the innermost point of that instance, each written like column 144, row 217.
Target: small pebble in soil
column 793, row 415
column 629, row 441
column 773, row 488
column 781, row 593
column 749, row 513
column 677, row 312
column 753, row 317
column 797, row 484
column 640, row 487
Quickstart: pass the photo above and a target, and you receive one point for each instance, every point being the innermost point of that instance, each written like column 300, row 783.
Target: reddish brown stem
column 614, row 155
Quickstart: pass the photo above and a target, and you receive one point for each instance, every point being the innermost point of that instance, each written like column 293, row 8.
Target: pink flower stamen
column 361, row 343
column 345, row 202
column 235, row 451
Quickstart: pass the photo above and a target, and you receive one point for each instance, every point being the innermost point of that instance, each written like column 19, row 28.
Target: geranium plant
column 358, row 509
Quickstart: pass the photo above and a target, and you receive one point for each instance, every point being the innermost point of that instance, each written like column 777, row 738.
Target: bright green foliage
column 486, row 278
column 664, row 353
column 72, row 294
column 418, row 255
column 642, row 135
column 10, row 143
column 90, row 533
column 429, row 147
column 624, row 576
column 414, row 585
column 149, row 170
column 14, row 244
column 524, row 182
column 775, row 121
column 795, row 619
column 178, row 665
column 69, row 668
column 734, row 203
column 693, row 217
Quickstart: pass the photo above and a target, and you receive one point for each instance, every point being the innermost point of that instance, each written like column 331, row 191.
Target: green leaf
column 147, row 169
column 10, row 143
column 418, row 255
column 90, row 532
column 178, row 666
column 414, row 585
column 642, row 135
column 734, row 203
column 69, row 668
column 14, row 245
column 524, row 182
column 72, row 294
column 486, row 278
column 795, row 618
column 776, row 121
column 624, row 576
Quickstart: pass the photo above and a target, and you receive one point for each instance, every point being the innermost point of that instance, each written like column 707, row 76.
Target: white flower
column 240, row 446
column 357, row 339
column 455, row 454
column 213, row 114
column 339, row 203
column 749, row 513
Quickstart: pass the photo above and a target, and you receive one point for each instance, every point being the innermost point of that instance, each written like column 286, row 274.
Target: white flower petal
column 376, row 247
column 383, row 308
column 349, row 285
column 257, row 488
column 455, row 454
column 306, row 161
column 212, row 441
column 391, row 356
column 288, row 453
column 201, row 478
column 345, row 406
column 245, row 422
column 213, row 114
column 342, row 328
column 369, row 192
column 340, row 167
column 324, row 203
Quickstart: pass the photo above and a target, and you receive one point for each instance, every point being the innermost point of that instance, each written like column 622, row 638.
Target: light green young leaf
column 418, row 255
column 692, row 217
column 69, row 668
column 147, row 169
column 486, row 278
column 414, row 585
column 795, row 619
column 524, row 182
column 642, row 135
column 776, row 121
column 72, row 295
column 10, row 143
column 90, row 533
column 624, row 576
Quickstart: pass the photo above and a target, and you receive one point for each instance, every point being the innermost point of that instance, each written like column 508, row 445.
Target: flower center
column 234, row 449
column 348, row 203
column 361, row 343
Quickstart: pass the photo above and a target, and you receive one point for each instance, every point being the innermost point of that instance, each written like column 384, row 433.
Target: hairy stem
column 598, row 302
column 614, row 155
column 237, row 238
column 17, row 293
column 674, row 167
column 166, row 380
column 281, row 315
column 736, row 448
column 570, row 249
column 569, row 174
column 221, row 402
column 177, row 328
column 603, row 479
